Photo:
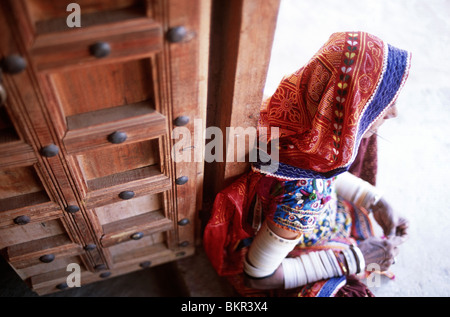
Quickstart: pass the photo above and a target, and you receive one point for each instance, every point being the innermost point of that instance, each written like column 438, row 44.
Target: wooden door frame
column 242, row 33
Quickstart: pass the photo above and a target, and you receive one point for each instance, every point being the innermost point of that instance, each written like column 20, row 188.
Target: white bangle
column 359, row 259
column 315, row 266
column 336, row 267
column 266, row 252
column 326, row 263
column 351, row 262
column 309, row 268
column 357, row 191
column 294, row 273
column 290, row 278
column 318, row 267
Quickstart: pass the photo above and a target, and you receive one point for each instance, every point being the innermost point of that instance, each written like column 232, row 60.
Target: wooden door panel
column 155, row 243
column 32, row 231
column 32, row 253
column 136, row 122
column 87, row 89
column 128, row 208
column 109, row 197
column 19, row 181
column 42, row 11
column 116, row 159
column 22, row 194
column 40, row 268
column 130, row 32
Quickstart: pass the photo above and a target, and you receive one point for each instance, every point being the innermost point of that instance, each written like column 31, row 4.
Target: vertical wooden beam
column 242, row 33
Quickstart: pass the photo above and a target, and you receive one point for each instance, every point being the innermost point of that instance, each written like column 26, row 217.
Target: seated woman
column 302, row 228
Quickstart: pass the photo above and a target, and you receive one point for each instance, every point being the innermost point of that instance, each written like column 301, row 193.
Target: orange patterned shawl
column 323, row 109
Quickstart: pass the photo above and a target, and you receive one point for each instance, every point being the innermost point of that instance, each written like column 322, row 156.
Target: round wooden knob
column 62, row 286
column 22, row 220
column 183, row 222
column 100, row 267
column 184, row 244
column 90, row 247
column 47, row 258
column 181, row 121
column 176, row 34
column 71, row 209
column 181, row 180
column 100, row 49
column 50, row 150
column 117, row 137
column 137, row 236
column 14, row 64
column 127, row 194
column 145, row 264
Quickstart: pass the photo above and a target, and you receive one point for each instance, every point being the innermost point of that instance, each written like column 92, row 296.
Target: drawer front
column 29, row 214
column 123, row 131
column 133, row 260
column 121, row 41
column 136, row 232
column 153, row 182
column 26, row 198
column 135, row 220
column 42, row 256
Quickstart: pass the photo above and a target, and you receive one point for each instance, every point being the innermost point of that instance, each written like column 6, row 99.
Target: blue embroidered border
column 330, row 288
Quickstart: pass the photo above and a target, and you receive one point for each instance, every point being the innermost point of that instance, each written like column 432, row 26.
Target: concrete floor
column 414, row 151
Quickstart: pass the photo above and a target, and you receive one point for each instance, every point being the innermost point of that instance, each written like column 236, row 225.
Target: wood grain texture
column 128, row 39
column 68, row 98
column 241, row 42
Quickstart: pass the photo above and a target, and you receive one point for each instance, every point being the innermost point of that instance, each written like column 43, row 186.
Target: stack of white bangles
column 320, row 265
column 266, row 252
column 356, row 190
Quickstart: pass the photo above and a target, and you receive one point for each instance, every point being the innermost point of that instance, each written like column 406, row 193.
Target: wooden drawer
column 45, row 250
column 130, row 123
column 33, row 231
column 135, row 168
column 40, row 212
column 135, row 228
column 60, row 263
column 15, row 153
column 126, row 40
column 150, row 251
column 134, row 219
column 25, row 197
column 126, row 260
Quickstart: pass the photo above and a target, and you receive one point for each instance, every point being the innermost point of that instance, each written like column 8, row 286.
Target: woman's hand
column 391, row 223
column 380, row 251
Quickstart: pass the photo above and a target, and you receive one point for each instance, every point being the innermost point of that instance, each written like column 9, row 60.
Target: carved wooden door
column 86, row 170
